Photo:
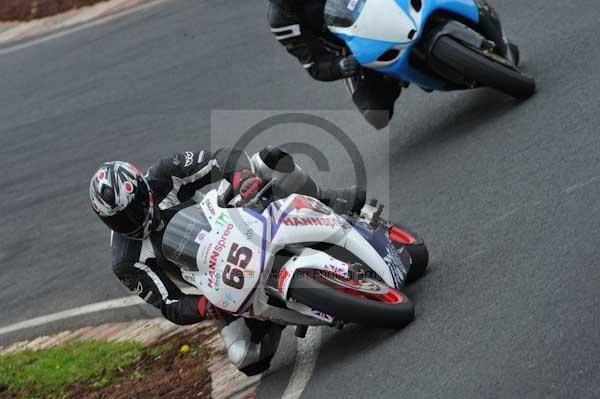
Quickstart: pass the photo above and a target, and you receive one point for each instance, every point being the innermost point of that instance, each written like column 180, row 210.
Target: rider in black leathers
column 299, row 25
column 137, row 208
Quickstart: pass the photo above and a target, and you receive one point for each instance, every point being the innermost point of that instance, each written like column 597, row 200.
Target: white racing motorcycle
column 295, row 261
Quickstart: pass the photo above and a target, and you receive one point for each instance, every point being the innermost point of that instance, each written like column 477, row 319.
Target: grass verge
column 174, row 367
column 47, row 373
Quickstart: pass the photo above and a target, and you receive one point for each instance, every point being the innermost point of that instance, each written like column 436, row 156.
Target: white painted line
column 77, row 28
column 124, row 302
column 306, row 360
column 66, row 314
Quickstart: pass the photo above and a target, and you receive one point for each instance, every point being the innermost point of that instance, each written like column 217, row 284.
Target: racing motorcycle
column 435, row 44
column 296, row 261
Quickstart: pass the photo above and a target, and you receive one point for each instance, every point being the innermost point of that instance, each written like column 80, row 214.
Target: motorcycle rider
column 299, row 25
column 138, row 207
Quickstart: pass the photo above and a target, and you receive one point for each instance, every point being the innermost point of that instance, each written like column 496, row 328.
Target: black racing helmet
column 122, row 198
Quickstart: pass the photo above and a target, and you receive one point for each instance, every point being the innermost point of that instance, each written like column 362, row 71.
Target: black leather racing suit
column 141, row 265
column 299, row 25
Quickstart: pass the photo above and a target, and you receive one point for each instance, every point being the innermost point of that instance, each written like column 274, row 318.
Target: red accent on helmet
column 102, row 175
column 128, row 187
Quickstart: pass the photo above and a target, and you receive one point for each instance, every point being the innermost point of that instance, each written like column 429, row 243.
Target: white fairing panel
column 381, row 20
column 294, row 222
column 356, row 244
column 301, row 219
column 231, row 256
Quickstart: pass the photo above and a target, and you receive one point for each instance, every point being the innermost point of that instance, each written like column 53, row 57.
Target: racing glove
column 348, row 66
column 208, row 311
column 246, row 184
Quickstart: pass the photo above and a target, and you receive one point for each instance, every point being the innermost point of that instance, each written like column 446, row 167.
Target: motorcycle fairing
column 394, row 25
column 293, row 224
column 397, row 259
column 313, row 260
column 232, row 253
column 236, row 247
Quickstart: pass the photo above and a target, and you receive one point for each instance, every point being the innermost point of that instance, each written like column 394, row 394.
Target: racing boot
column 251, row 344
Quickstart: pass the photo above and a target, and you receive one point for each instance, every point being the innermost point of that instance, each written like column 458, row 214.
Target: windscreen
column 183, row 236
column 342, row 13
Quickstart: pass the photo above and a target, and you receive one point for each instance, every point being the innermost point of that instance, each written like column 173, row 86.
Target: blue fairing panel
column 465, row 8
column 366, row 50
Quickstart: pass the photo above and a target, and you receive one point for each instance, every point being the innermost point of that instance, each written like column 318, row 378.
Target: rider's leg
column 374, row 95
column 492, row 29
column 275, row 162
column 250, row 344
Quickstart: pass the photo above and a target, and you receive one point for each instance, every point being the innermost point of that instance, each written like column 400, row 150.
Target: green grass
column 48, row 372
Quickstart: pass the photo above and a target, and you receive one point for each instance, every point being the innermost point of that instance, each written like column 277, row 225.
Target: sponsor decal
column 338, row 270
column 223, row 219
column 139, row 289
column 210, row 206
column 237, row 260
column 189, row 158
column 216, row 253
column 352, row 4
column 333, row 222
column 200, row 237
column 207, row 252
column 392, row 258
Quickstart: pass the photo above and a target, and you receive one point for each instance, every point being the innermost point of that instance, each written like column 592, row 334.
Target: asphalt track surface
column 505, row 193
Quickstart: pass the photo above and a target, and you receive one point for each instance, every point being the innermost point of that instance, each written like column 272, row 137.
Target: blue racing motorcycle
column 435, row 44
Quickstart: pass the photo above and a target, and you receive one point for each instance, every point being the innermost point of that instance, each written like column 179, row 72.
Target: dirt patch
column 175, row 373
column 26, row 10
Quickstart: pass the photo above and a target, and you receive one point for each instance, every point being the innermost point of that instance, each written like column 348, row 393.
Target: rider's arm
column 146, row 279
column 302, row 44
column 176, row 179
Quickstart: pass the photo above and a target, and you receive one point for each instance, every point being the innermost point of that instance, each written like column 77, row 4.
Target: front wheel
column 419, row 256
column 366, row 301
column 482, row 69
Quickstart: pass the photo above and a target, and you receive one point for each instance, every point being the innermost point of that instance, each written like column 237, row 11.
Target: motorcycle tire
column 482, row 69
column 419, row 255
column 349, row 308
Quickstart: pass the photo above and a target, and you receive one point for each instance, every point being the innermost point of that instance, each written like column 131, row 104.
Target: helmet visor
column 132, row 220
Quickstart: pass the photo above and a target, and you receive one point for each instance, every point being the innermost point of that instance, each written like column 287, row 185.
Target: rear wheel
column 367, row 301
column 484, row 69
